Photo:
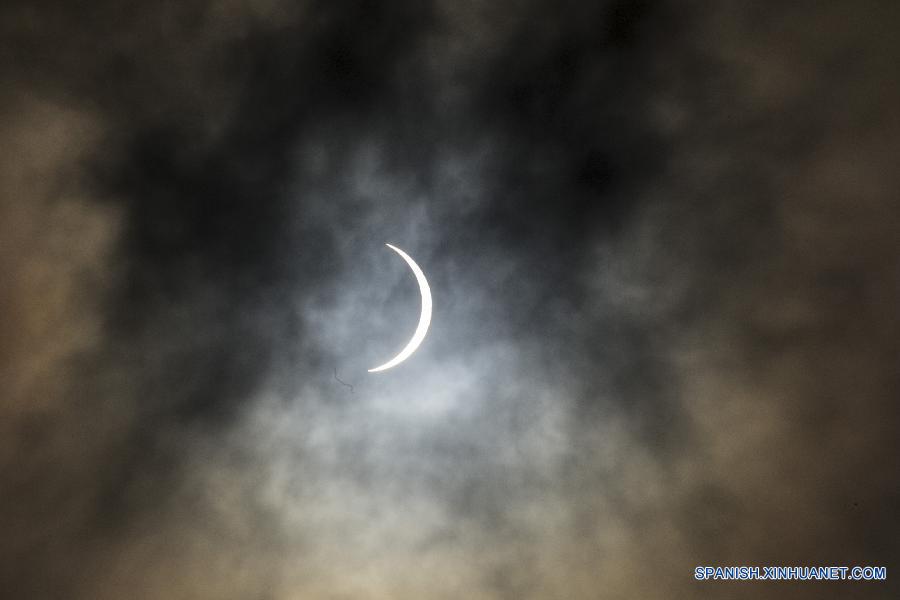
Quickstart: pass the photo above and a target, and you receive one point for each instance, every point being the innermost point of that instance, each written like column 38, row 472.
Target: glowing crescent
column 424, row 318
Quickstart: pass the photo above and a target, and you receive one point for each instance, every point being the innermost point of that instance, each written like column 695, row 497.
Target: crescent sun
column 424, row 317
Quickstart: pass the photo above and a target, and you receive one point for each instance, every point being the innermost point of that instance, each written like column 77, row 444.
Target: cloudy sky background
column 664, row 245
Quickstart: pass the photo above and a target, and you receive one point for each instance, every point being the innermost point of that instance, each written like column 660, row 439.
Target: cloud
column 663, row 254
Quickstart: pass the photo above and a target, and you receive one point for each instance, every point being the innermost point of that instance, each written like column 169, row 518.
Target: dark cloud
column 663, row 248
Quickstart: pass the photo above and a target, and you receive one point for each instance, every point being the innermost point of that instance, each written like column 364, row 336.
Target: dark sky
column 664, row 245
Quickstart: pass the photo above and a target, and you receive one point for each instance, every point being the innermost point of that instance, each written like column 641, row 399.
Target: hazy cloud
column 664, row 253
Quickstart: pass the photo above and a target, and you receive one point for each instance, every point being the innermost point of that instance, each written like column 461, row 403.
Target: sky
column 663, row 243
